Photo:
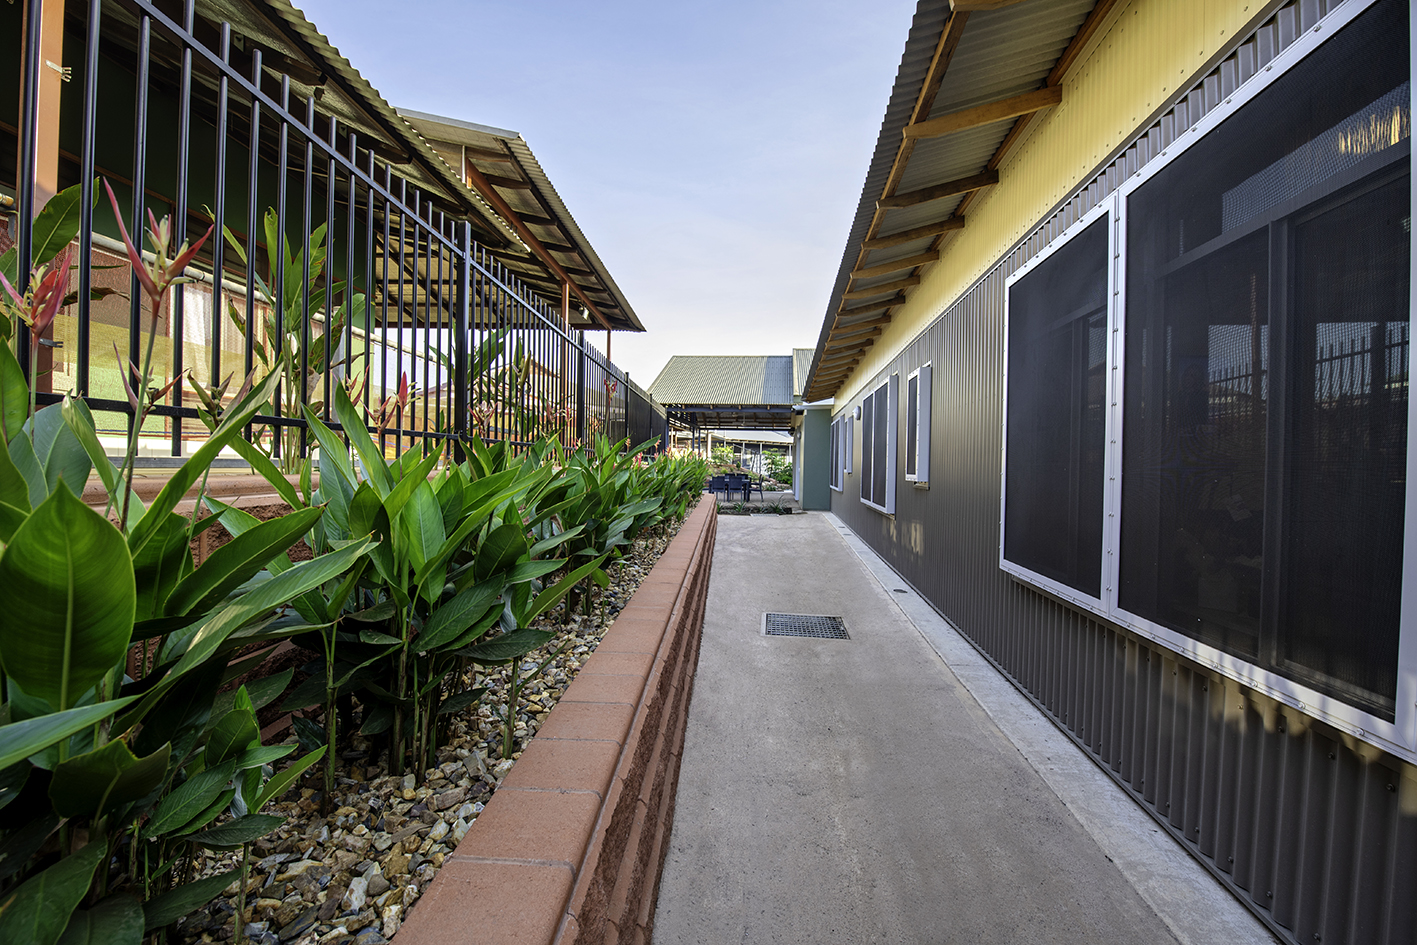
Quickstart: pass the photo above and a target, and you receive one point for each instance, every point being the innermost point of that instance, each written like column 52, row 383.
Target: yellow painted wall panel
column 1143, row 53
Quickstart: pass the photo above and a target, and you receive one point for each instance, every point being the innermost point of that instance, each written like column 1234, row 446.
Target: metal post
column 460, row 378
column 580, row 388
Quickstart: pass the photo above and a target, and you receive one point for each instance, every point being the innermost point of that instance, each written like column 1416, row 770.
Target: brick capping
column 571, row 846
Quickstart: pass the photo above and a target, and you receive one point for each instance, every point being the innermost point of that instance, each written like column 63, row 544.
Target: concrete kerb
column 575, row 871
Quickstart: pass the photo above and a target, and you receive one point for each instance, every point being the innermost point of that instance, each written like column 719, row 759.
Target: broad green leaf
column 231, row 736
column 19, row 740
column 546, row 544
column 262, row 465
column 461, row 700
column 413, row 480
column 12, row 781
column 160, row 565
column 23, row 456
column 265, row 597
column 117, row 920
column 59, row 451
column 378, row 639
column 507, row 647
column 24, row 842
column 210, row 813
column 37, row 912
column 333, row 452
column 172, row 905
column 231, row 427
column 377, row 719
column 233, row 834
column 262, row 755
column 55, row 226
column 552, row 595
column 14, row 497
column 369, row 453
column 448, row 622
column 70, row 599
column 237, row 561
column 80, row 422
column 531, row 570
column 14, row 394
column 423, row 524
column 238, row 522
column 98, row 781
column 189, row 800
column 276, row 786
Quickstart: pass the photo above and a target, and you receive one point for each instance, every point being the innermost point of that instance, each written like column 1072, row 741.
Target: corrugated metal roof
column 743, row 380
column 559, row 231
column 801, row 366
column 1000, row 53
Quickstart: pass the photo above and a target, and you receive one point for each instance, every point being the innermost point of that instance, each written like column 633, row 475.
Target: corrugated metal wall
column 1314, row 829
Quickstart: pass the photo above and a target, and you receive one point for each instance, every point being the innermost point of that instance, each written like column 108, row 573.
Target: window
column 848, row 444
column 1055, row 436
column 1265, row 404
column 879, row 417
column 917, row 425
column 836, row 464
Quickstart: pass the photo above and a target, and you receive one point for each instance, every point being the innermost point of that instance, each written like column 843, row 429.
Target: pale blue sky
column 712, row 152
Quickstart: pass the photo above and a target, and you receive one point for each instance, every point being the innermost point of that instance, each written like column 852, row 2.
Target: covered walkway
column 893, row 787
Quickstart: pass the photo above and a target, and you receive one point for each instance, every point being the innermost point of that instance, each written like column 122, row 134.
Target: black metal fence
column 324, row 263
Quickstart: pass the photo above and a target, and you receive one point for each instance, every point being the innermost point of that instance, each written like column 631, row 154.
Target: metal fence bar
column 493, row 357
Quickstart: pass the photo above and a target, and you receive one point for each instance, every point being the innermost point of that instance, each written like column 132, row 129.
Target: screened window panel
column 836, row 454
column 1056, row 424
column 912, row 423
column 1265, row 373
column 1347, row 463
column 868, row 431
column 880, row 415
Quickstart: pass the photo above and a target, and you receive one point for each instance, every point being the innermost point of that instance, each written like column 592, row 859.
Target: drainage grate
column 805, row 625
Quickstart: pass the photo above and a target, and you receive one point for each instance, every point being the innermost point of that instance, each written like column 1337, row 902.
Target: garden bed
column 363, row 867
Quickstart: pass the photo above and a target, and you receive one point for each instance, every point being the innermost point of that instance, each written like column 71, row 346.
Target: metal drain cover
column 805, row 625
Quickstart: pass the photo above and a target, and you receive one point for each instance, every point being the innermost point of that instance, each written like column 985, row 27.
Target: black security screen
column 1056, row 421
column 912, row 422
column 1266, row 373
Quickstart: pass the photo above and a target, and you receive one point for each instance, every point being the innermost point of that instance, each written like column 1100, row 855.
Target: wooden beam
column 986, row 114
column 511, row 183
column 905, row 262
column 484, row 154
column 949, row 188
column 845, row 355
column 868, row 323
column 479, row 182
column 835, row 372
column 905, row 283
column 841, row 339
column 894, row 300
column 838, row 360
column 914, row 233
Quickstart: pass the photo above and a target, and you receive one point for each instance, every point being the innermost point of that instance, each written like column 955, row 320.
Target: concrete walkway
column 857, row 791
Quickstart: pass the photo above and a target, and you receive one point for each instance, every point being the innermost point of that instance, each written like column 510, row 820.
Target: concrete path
column 856, row 791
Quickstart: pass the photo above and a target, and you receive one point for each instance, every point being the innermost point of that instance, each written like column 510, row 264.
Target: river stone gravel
column 351, row 878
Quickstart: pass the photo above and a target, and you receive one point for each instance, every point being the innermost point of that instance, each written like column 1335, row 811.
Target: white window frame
column 1058, row 588
column 920, row 435
column 1398, row 737
column 848, row 449
column 838, row 481
column 889, row 389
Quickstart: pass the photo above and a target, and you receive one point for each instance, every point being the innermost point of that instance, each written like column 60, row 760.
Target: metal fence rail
column 380, row 287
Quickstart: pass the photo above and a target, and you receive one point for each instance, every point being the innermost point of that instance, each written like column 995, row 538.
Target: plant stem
column 130, row 460
column 330, row 722
column 241, row 894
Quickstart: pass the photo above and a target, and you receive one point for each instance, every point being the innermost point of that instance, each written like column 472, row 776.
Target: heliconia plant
column 107, row 783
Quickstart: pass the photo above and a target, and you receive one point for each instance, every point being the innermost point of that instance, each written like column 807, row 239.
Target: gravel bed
column 354, row 876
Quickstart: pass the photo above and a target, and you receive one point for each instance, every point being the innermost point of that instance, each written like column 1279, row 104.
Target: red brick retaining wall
column 570, row 848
